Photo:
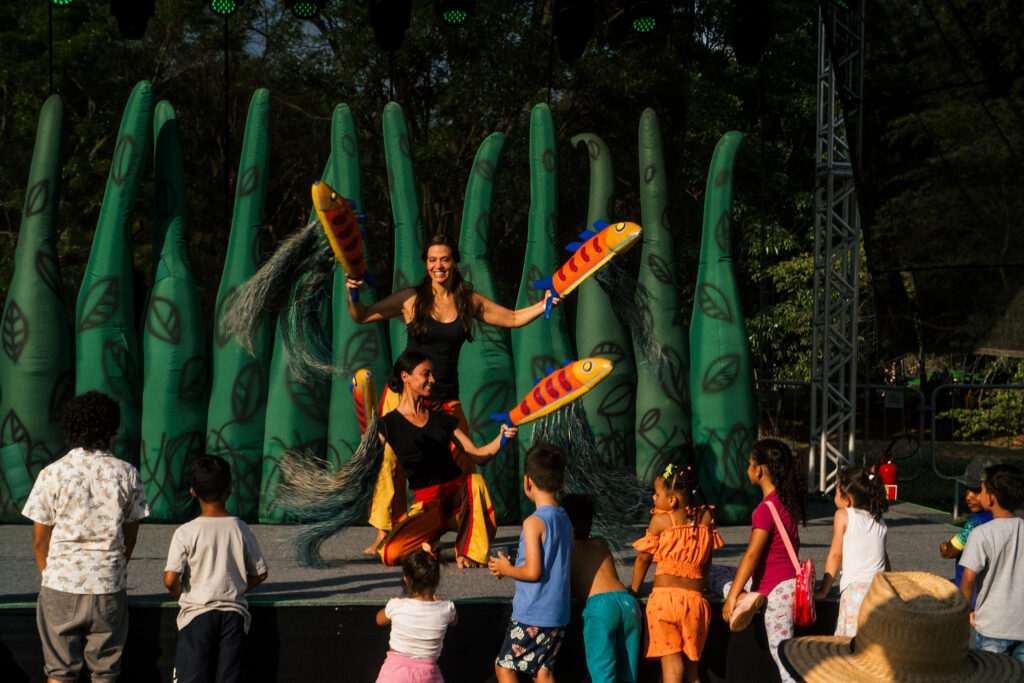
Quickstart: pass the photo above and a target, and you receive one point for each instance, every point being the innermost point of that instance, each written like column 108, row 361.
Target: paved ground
column 914, row 537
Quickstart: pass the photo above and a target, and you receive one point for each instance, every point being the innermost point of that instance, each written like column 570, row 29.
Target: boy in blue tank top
column 540, row 608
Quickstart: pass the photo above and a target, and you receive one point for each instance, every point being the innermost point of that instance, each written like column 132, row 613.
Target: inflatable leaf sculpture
column 238, row 396
column 610, row 407
column 355, row 346
column 542, row 344
column 721, row 381
column 175, row 385
column 35, row 337
column 663, row 390
column 107, row 346
column 486, row 373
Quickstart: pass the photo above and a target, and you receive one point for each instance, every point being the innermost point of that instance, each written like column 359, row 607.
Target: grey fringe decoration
column 620, row 496
column 296, row 285
column 635, row 314
column 327, row 503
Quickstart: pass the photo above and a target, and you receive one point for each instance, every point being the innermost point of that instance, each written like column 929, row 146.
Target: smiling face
column 440, row 263
column 420, row 381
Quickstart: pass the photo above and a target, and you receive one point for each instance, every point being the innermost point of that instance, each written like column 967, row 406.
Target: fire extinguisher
column 888, row 471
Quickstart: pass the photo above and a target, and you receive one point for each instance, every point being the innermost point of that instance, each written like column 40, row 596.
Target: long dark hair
column 406, row 362
column 865, row 491
column 786, row 474
column 461, row 290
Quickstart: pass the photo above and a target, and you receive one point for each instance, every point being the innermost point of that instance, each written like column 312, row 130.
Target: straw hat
column 912, row 626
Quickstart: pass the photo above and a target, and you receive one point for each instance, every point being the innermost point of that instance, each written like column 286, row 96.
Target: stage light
column 643, row 15
column 573, row 24
column 454, row 12
column 389, row 19
column 132, row 17
column 751, row 30
column 225, row 8
column 305, row 9
column 61, row 3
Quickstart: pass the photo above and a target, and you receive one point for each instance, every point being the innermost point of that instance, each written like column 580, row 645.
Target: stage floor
column 353, row 578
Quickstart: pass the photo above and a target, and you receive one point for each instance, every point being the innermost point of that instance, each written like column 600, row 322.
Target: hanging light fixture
column 305, row 9
column 454, row 12
column 225, row 8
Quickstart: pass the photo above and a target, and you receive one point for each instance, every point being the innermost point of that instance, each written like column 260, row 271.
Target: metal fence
column 931, row 438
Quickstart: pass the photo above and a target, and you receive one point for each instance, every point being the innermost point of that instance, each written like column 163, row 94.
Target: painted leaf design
column 649, row 420
column 312, row 400
column 12, row 430
column 348, row 145
column 608, row 350
column 362, row 349
column 491, row 397
column 249, row 181
column 193, row 379
column 547, row 159
column 248, row 392
column 723, row 233
column 14, row 331
column 712, row 303
column 722, row 177
column 163, row 320
column 551, row 227
column 664, row 218
column 102, row 302
column 220, row 335
column 403, row 144
column 484, row 169
column 618, row 401
column 650, row 173
column 63, row 390
column 660, row 269
column 119, row 371
column 38, row 198
column 721, row 374
column 49, row 272
column 483, row 231
column 533, row 274
column 124, row 160
column 497, row 337
column 256, row 248
column 539, row 365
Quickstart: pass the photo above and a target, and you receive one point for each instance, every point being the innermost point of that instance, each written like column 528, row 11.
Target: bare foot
column 375, row 546
column 463, row 562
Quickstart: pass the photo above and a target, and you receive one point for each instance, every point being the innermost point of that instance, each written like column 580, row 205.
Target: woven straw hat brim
column 827, row 659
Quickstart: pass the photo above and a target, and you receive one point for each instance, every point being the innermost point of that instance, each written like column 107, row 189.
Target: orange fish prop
column 341, row 225
column 558, row 389
column 592, row 251
column 364, row 395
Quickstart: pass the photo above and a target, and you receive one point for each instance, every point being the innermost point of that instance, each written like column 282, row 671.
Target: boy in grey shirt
column 994, row 561
column 212, row 563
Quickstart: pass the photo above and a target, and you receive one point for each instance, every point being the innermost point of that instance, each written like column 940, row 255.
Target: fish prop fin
column 599, row 226
column 506, row 419
column 587, row 235
column 547, row 283
column 573, row 246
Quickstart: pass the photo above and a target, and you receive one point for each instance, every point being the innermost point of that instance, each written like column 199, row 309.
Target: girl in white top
column 858, row 543
column 418, row 621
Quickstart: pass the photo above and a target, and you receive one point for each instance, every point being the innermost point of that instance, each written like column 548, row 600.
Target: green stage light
column 61, row 3
column 643, row 15
column 453, row 12
column 305, row 9
column 644, row 24
column 224, row 8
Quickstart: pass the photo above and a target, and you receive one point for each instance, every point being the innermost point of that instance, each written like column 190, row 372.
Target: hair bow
column 669, row 470
column 427, row 549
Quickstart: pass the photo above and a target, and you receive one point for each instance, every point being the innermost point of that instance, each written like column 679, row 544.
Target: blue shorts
column 611, row 636
column 211, row 648
column 528, row 649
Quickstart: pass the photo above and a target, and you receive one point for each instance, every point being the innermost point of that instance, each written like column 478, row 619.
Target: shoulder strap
column 785, row 535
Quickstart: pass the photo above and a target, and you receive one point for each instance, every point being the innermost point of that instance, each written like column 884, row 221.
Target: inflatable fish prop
column 341, row 224
column 592, row 251
column 559, row 388
column 364, row 395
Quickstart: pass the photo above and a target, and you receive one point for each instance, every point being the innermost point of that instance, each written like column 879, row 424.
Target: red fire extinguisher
column 888, row 471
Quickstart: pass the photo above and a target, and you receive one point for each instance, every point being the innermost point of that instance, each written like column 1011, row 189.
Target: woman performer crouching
column 446, row 497
column 440, row 314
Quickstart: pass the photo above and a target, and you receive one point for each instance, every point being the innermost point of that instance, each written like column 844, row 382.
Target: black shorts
column 210, row 648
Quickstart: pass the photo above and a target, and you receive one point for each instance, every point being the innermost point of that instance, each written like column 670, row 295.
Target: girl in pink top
column 776, row 471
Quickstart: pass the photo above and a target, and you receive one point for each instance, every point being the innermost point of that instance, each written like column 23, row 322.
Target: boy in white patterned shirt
column 86, row 508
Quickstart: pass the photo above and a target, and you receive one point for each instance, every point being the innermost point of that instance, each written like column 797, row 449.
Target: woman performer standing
column 440, row 315
column 446, row 497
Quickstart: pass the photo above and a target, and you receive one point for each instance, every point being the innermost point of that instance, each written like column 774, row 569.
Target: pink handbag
column 804, row 613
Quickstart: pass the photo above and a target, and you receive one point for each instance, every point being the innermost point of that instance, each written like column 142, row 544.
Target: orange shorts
column 677, row 621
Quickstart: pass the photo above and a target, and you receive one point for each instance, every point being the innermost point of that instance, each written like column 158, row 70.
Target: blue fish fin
column 601, row 225
column 502, row 417
column 544, row 283
column 573, row 246
column 587, row 235
column 547, row 371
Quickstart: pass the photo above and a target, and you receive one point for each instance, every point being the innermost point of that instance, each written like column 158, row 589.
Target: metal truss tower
column 836, row 239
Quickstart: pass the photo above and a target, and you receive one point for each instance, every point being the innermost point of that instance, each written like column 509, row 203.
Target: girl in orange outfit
column 679, row 539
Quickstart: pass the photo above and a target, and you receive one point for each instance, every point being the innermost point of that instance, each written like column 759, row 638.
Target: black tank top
column 423, row 452
column 441, row 345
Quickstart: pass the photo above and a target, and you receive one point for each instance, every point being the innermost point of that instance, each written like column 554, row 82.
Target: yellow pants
column 462, row 505
column 389, row 501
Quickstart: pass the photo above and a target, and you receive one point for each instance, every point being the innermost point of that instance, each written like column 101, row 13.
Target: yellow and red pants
column 462, row 505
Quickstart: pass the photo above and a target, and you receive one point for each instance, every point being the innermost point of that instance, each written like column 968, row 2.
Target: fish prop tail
column 504, row 418
column 544, row 284
column 329, row 502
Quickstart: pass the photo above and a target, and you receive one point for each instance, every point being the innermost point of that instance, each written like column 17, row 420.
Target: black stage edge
column 343, row 643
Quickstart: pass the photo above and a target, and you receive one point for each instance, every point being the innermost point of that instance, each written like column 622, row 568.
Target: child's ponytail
column 786, row 474
column 865, row 491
